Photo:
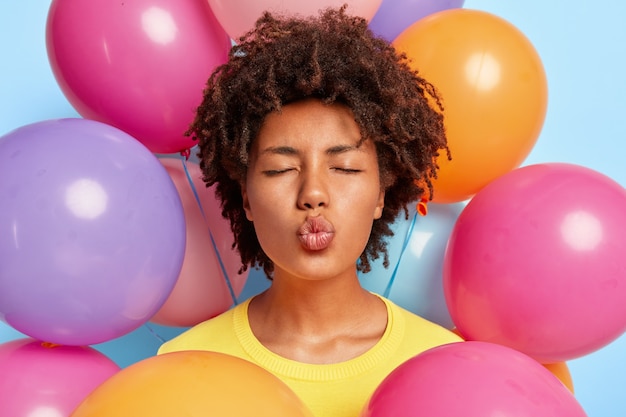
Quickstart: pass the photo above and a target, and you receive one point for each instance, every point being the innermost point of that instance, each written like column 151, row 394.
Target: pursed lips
column 316, row 233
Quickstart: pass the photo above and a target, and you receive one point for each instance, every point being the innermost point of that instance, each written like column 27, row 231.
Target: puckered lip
column 316, row 233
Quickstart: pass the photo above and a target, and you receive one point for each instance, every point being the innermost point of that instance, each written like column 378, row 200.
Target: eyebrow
column 280, row 150
column 288, row 150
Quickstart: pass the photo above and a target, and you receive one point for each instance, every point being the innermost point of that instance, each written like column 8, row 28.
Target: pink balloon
column 39, row 379
column 238, row 16
column 202, row 289
column 137, row 65
column 536, row 261
column 472, row 379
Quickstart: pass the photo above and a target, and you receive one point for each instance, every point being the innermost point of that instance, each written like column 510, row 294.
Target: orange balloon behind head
column 192, row 384
column 494, row 92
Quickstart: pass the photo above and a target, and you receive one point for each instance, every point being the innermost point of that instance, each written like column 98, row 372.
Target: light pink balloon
column 138, row 65
column 238, row 16
column 537, row 261
column 202, row 290
column 39, row 379
column 472, row 379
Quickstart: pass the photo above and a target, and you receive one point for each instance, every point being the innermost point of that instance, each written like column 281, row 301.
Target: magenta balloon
column 43, row 380
column 472, row 379
column 137, row 65
column 92, row 233
column 536, row 261
column 394, row 16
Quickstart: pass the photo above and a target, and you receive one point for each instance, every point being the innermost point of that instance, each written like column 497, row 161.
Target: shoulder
column 213, row 334
column 417, row 331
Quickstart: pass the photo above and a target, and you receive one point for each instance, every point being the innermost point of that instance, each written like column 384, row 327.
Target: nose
column 313, row 191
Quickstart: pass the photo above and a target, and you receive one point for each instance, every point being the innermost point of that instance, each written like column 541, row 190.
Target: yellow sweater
column 335, row 390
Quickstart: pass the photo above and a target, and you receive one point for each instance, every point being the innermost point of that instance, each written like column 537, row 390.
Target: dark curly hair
column 333, row 57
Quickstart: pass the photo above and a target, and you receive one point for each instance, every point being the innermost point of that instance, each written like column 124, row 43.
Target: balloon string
column 407, row 239
column 217, row 252
column 155, row 334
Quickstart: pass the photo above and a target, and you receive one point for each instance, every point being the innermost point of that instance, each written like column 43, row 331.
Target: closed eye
column 348, row 170
column 274, row 172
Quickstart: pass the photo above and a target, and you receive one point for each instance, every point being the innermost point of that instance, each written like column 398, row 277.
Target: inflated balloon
column 536, row 262
column 92, row 232
column 416, row 252
column 494, row 92
column 238, row 16
column 138, row 65
column 193, row 384
column 209, row 282
column 394, row 16
column 41, row 379
column 561, row 371
column 472, row 379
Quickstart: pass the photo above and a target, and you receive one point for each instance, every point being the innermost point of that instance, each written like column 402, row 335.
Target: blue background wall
column 581, row 44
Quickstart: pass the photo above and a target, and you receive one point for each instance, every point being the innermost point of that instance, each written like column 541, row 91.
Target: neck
column 317, row 321
column 312, row 306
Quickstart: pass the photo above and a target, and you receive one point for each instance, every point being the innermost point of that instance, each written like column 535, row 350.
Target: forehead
column 309, row 123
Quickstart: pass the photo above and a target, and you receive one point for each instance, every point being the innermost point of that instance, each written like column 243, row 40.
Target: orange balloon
column 494, row 92
column 561, row 371
column 192, row 384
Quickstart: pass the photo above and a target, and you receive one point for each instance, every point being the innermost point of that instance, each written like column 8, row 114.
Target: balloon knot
column 422, row 207
column 49, row 345
column 186, row 153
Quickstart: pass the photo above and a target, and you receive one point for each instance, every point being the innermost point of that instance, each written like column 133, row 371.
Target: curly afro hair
column 335, row 58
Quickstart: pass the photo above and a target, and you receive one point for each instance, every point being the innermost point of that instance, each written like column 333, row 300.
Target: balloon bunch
column 494, row 93
column 531, row 269
column 99, row 234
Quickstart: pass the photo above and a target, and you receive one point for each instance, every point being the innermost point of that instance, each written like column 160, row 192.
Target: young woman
column 317, row 135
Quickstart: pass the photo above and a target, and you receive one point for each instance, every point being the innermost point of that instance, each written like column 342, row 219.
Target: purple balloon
column 394, row 16
column 92, row 232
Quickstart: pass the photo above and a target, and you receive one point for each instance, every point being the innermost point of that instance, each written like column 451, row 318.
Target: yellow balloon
column 192, row 384
column 494, row 92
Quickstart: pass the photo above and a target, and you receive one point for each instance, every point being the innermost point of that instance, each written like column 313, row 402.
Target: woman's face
column 312, row 190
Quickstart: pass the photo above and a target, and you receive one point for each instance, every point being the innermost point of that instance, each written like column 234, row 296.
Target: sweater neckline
column 386, row 346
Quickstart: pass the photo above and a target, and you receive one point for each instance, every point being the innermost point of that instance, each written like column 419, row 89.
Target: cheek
column 262, row 206
column 356, row 231
column 365, row 197
column 361, row 208
column 255, row 196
